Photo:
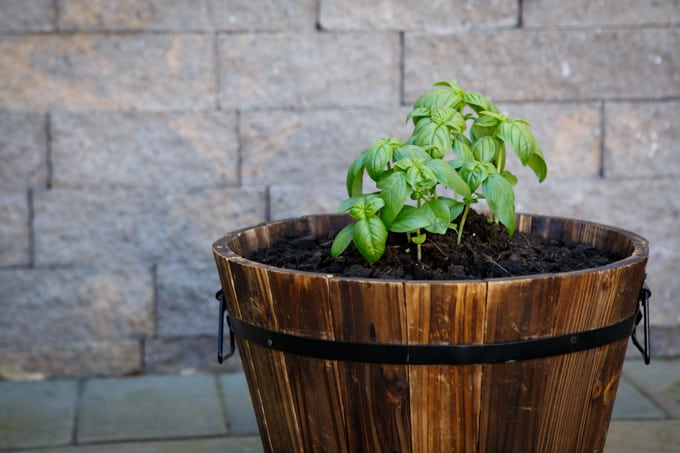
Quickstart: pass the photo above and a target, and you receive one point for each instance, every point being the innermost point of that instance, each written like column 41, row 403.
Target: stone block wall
column 134, row 133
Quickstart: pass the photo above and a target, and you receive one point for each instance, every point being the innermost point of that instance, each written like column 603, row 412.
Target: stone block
column 130, row 225
column 251, row 444
column 15, row 235
column 523, row 65
column 662, row 271
column 259, row 71
column 52, row 358
column 569, row 135
column 647, row 207
column 664, row 341
column 149, row 407
column 632, row 405
column 642, row 139
column 188, row 354
column 313, row 147
column 187, row 15
column 585, row 13
column 293, row 200
column 238, row 405
column 108, row 72
column 186, row 302
column 404, row 15
column 144, row 149
column 72, row 304
column 27, row 15
column 636, row 436
column 660, row 381
column 37, row 414
column 23, row 150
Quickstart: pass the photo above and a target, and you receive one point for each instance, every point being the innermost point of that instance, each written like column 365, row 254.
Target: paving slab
column 659, row 436
column 35, row 414
column 630, row 404
column 660, row 380
column 149, row 407
column 215, row 445
column 238, row 405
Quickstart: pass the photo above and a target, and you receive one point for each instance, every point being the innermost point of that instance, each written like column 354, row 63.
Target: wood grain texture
column 271, row 388
column 445, row 313
column 375, row 396
column 301, row 306
column 557, row 404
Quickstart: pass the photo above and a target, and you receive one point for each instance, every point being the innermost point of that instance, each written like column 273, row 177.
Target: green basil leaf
column 377, row 159
column 473, row 173
column 448, row 176
column 462, row 139
column 484, row 149
column 432, row 134
column 478, row 102
column 494, row 114
column 440, row 115
column 456, row 208
column 370, row 236
column 518, row 137
column 463, row 150
column 438, row 97
column 441, row 211
column 373, row 204
column 451, row 84
column 349, row 202
column 355, row 175
column 486, row 121
column 537, row 163
column 420, row 177
column 411, row 152
column 410, row 219
column 342, row 240
column 456, row 123
column 512, row 179
column 394, row 191
column 417, row 113
column 362, row 206
column 501, row 200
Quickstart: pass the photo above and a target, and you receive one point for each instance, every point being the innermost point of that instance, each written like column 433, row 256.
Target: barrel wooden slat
column 274, row 393
column 375, row 396
column 517, row 309
column 301, row 306
column 323, row 225
column 445, row 313
column 250, row 239
column 292, row 228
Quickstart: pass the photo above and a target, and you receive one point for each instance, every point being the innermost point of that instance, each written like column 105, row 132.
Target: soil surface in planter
column 486, row 251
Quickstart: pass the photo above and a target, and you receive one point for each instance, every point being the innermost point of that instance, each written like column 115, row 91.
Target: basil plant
column 459, row 142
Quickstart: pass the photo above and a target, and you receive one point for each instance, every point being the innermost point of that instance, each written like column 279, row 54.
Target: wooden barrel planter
column 524, row 364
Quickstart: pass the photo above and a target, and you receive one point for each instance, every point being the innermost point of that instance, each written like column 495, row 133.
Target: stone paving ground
column 212, row 413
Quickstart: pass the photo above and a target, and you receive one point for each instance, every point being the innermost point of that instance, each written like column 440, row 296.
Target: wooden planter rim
column 638, row 248
column 442, row 354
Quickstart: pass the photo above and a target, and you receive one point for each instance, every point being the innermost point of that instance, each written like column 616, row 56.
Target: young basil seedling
column 410, row 176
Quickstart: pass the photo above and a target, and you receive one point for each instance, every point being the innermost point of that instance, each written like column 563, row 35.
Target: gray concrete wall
column 134, row 133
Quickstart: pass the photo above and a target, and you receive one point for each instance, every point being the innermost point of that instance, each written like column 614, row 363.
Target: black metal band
column 433, row 354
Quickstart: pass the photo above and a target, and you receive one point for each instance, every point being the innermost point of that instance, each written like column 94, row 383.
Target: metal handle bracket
column 221, row 357
column 643, row 315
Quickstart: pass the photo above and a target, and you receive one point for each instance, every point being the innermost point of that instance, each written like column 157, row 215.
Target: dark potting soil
column 486, row 251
